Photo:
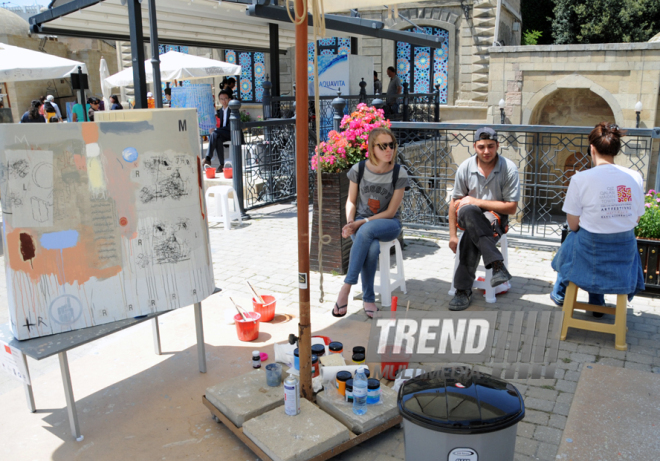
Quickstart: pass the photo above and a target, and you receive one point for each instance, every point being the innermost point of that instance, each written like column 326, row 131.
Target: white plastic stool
column 219, row 212
column 388, row 284
column 489, row 292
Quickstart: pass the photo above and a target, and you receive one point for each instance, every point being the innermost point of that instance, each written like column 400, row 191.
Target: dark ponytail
column 606, row 138
column 33, row 112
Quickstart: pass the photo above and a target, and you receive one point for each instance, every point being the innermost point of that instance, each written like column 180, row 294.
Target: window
column 249, row 85
column 423, row 67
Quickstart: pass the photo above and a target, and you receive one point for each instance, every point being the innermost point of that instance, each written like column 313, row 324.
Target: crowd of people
column 602, row 205
column 46, row 110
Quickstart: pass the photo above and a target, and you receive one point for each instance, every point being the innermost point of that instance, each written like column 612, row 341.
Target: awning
column 20, row 65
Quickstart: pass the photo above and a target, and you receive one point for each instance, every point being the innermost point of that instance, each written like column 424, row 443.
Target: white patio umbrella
column 106, row 89
column 178, row 66
column 21, row 64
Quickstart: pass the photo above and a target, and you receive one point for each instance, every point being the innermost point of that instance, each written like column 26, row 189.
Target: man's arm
column 497, row 206
column 453, row 232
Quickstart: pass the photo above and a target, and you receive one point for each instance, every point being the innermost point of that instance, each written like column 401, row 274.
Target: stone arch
column 572, row 82
column 447, row 21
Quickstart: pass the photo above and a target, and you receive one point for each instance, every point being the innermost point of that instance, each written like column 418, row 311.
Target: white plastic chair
column 484, row 283
column 388, row 284
column 217, row 206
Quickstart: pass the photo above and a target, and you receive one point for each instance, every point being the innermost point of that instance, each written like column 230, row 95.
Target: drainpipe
column 496, row 38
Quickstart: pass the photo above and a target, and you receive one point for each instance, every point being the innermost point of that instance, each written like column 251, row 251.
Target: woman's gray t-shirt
column 375, row 190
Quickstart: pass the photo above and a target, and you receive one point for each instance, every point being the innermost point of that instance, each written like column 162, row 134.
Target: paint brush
column 239, row 311
column 407, row 307
column 259, row 298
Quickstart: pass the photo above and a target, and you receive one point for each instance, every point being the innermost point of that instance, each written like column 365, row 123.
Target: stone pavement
column 264, row 251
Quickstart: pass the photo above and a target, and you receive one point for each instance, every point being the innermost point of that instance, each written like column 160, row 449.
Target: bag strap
column 395, row 176
column 361, row 167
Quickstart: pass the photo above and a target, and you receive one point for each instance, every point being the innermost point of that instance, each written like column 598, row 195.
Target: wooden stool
column 618, row 329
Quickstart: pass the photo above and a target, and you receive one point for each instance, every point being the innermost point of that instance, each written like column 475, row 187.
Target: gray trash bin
column 459, row 417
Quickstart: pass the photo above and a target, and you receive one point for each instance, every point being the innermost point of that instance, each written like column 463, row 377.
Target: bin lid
column 446, row 401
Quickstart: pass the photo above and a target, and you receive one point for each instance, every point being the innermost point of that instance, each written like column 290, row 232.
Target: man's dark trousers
column 482, row 230
column 216, row 141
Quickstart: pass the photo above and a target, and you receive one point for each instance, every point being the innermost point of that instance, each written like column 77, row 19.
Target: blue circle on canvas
column 130, row 154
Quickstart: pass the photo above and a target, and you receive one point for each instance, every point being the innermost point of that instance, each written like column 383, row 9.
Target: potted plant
column 648, row 240
column 333, row 158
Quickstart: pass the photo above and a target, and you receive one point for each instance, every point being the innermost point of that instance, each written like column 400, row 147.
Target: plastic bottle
column 360, row 384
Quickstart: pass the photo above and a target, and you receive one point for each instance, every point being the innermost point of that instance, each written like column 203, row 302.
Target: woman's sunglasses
column 384, row 146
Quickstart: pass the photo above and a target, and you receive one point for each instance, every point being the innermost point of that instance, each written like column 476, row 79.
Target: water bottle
column 360, row 392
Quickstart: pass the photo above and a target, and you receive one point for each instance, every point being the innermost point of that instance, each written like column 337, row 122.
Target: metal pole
column 266, row 101
column 29, row 395
column 68, row 393
column 199, row 328
column 405, row 101
column 155, row 60
column 156, row 331
column 302, row 187
column 274, row 35
column 436, row 109
column 236, row 152
column 81, row 94
column 137, row 53
column 338, row 104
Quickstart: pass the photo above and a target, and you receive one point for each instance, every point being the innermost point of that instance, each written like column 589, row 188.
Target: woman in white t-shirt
column 602, row 206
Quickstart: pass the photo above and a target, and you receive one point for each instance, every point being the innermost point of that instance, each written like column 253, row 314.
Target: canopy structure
column 21, row 64
column 178, row 66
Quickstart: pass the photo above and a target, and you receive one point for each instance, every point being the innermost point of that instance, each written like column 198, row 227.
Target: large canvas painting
column 102, row 221
column 200, row 97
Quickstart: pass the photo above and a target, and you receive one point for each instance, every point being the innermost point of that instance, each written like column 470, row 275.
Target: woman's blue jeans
column 559, row 291
column 365, row 251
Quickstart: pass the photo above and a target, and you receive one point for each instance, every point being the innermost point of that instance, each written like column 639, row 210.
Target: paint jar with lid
column 336, row 347
column 316, row 369
column 341, row 378
column 318, row 350
column 256, row 359
column 296, row 359
column 359, row 350
column 349, row 390
column 358, row 359
column 373, row 391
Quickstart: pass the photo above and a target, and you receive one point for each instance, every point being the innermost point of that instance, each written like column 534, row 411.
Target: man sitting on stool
column 221, row 134
column 486, row 191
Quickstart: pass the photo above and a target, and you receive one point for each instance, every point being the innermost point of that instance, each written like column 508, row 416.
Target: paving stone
column 578, row 357
column 526, row 429
column 561, row 408
column 557, row 421
column 572, row 375
column 540, row 393
column 546, row 452
column 565, row 397
column 548, row 434
column 376, row 414
column 538, row 404
column 566, row 386
column 639, row 358
column 613, row 353
column 637, row 366
column 295, row 438
column 611, row 362
column 245, row 396
column 526, row 446
column 536, row 417
column 584, row 349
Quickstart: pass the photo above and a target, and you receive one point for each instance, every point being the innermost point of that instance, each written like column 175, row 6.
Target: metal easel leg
column 28, row 388
column 199, row 327
column 68, row 392
column 156, row 330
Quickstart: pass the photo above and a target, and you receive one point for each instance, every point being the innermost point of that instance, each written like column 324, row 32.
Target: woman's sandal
column 370, row 313
column 345, row 306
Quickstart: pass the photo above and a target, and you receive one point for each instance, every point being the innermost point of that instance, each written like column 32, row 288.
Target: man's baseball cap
column 485, row 133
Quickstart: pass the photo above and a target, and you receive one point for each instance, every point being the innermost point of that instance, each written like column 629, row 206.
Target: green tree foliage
column 531, row 37
column 605, row 21
column 537, row 15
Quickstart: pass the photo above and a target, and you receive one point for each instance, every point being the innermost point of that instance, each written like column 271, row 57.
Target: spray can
column 291, row 396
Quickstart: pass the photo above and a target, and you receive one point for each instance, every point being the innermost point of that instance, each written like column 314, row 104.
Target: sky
column 24, row 2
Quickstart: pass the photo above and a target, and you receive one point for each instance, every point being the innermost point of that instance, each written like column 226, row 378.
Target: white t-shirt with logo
column 608, row 199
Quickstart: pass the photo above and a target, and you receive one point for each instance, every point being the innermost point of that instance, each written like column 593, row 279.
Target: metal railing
column 546, row 156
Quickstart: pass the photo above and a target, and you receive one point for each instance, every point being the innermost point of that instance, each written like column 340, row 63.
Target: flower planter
column 649, row 251
column 337, row 252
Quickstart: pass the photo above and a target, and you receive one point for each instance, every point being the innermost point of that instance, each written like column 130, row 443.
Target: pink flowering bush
column 348, row 147
column 649, row 223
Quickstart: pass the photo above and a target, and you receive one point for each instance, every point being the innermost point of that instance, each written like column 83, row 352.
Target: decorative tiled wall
column 326, row 46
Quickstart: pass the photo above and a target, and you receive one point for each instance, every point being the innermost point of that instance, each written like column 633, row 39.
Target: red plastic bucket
column 247, row 331
column 228, row 173
column 210, row 173
column 267, row 310
column 325, row 339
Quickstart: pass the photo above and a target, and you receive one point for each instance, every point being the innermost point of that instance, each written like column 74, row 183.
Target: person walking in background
column 115, row 104
column 32, row 115
column 393, row 92
column 378, row 85
column 51, row 99
column 375, row 193
column 602, row 206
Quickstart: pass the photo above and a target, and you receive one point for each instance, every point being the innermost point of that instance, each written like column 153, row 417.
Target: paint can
column 358, row 359
column 291, row 396
column 342, row 377
column 336, row 347
column 359, row 350
column 348, row 393
column 316, row 369
column 373, row 391
column 318, row 350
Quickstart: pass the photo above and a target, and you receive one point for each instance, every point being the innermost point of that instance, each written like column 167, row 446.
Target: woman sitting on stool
column 372, row 213
column 602, row 205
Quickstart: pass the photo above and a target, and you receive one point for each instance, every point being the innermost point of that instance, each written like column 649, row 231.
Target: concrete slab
column 295, row 438
column 614, row 415
column 376, row 414
column 245, row 397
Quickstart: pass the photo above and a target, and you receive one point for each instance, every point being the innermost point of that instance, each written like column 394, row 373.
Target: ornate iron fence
column 546, row 156
column 268, row 162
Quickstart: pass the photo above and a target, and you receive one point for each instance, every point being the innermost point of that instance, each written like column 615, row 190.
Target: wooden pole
column 302, row 188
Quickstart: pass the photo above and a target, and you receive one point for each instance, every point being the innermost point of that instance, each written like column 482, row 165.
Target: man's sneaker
column 500, row 274
column 206, row 162
column 461, row 301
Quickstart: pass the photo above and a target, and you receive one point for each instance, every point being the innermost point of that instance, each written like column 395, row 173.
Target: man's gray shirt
column 392, row 89
column 502, row 184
